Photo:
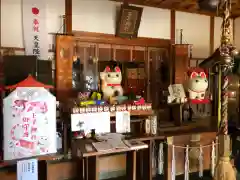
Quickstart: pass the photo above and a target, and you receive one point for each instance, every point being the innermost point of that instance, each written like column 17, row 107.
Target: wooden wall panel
column 105, row 52
column 112, row 163
column 62, row 171
column 139, row 54
column 8, row 175
column 180, row 63
column 64, row 59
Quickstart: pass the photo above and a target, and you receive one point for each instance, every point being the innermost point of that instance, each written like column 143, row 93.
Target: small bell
column 226, row 59
column 234, row 52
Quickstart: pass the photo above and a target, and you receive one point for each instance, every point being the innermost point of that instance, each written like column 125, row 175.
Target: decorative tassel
column 160, row 159
column 224, row 169
column 216, row 150
column 213, row 159
column 186, row 167
column 201, row 162
column 173, row 163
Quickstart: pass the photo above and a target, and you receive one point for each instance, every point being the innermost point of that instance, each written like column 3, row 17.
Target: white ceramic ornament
column 197, row 85
column 111, row 82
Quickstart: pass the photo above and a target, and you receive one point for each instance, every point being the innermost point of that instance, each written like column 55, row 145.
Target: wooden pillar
column 168, row 158
column 147, row 159
column 173, row 26
column 212, row 24
column 131, row 165
column 0, row 24
column 68, row 16
column 233, row 29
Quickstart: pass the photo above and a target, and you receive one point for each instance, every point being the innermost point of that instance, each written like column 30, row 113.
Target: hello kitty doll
column 111, row 82
column 197, row 84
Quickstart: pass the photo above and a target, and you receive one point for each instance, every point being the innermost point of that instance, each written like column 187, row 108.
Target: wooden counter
column 52, row 169
column 90, row 159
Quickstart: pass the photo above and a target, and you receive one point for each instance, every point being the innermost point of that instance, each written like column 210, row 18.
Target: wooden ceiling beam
column 68, row 16
column 163, row 6
column 189, row 6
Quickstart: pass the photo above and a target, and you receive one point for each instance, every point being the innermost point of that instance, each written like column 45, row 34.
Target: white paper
column 114, row 140
column 27, row 169
column 123, row 122
column 29, row 123
column 176, row 91
column 88, row 121
column 102, row 146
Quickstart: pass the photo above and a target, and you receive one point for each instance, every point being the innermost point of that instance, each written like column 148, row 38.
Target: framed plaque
column 128, row 21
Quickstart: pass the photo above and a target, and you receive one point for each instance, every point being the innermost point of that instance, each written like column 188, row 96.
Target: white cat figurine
column 111, row 82
column 197, row 84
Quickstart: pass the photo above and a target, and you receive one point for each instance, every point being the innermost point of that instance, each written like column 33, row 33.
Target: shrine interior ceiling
column 191, row 6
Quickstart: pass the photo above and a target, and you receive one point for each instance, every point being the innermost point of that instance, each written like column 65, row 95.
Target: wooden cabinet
column 142, row 67
column 180, row 63
column 122, row 53
column 139, row 54
column 62, row 170
column 158, row 75
column 64, row 59
column 85, row 50
column 233, row 100
column 8, row 175
column 105, row 52
column 149, row 75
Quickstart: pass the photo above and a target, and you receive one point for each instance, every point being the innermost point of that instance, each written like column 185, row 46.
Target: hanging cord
column 213, row 159
column 201, row 162
column 226, row 52
column 184, row 147
column 160, row 159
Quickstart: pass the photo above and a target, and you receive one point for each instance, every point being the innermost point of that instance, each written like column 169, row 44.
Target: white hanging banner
column 35, row 34
column 29, row 122
column 27, row 169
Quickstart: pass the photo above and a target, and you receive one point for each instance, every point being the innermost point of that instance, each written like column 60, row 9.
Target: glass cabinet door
column 233, row 100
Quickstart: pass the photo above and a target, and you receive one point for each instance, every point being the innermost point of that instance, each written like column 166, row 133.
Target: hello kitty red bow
column 116, row 69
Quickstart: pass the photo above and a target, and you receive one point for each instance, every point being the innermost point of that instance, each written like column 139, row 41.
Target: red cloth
column 197, row 101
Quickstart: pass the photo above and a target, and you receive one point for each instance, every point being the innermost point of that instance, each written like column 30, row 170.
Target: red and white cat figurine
column 197, row 84
column 111, row 82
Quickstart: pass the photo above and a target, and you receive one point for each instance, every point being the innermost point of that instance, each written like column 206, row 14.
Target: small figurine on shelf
column 197, row 84
column 111, row 82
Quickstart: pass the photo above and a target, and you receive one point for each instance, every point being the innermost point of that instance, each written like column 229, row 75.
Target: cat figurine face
column 112, row 77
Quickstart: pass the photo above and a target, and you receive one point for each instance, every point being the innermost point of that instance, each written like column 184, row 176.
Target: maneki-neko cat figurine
column 197, row 84
column 111, row 82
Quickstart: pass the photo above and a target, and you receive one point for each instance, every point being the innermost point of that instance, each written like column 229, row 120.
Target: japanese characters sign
column 27, row 169
column 29, row 123
column 34, row 28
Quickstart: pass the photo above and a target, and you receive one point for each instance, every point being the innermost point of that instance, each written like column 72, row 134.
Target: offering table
column 89, row 160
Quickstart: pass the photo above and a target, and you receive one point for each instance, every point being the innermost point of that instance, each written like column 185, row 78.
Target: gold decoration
column 95, row 60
